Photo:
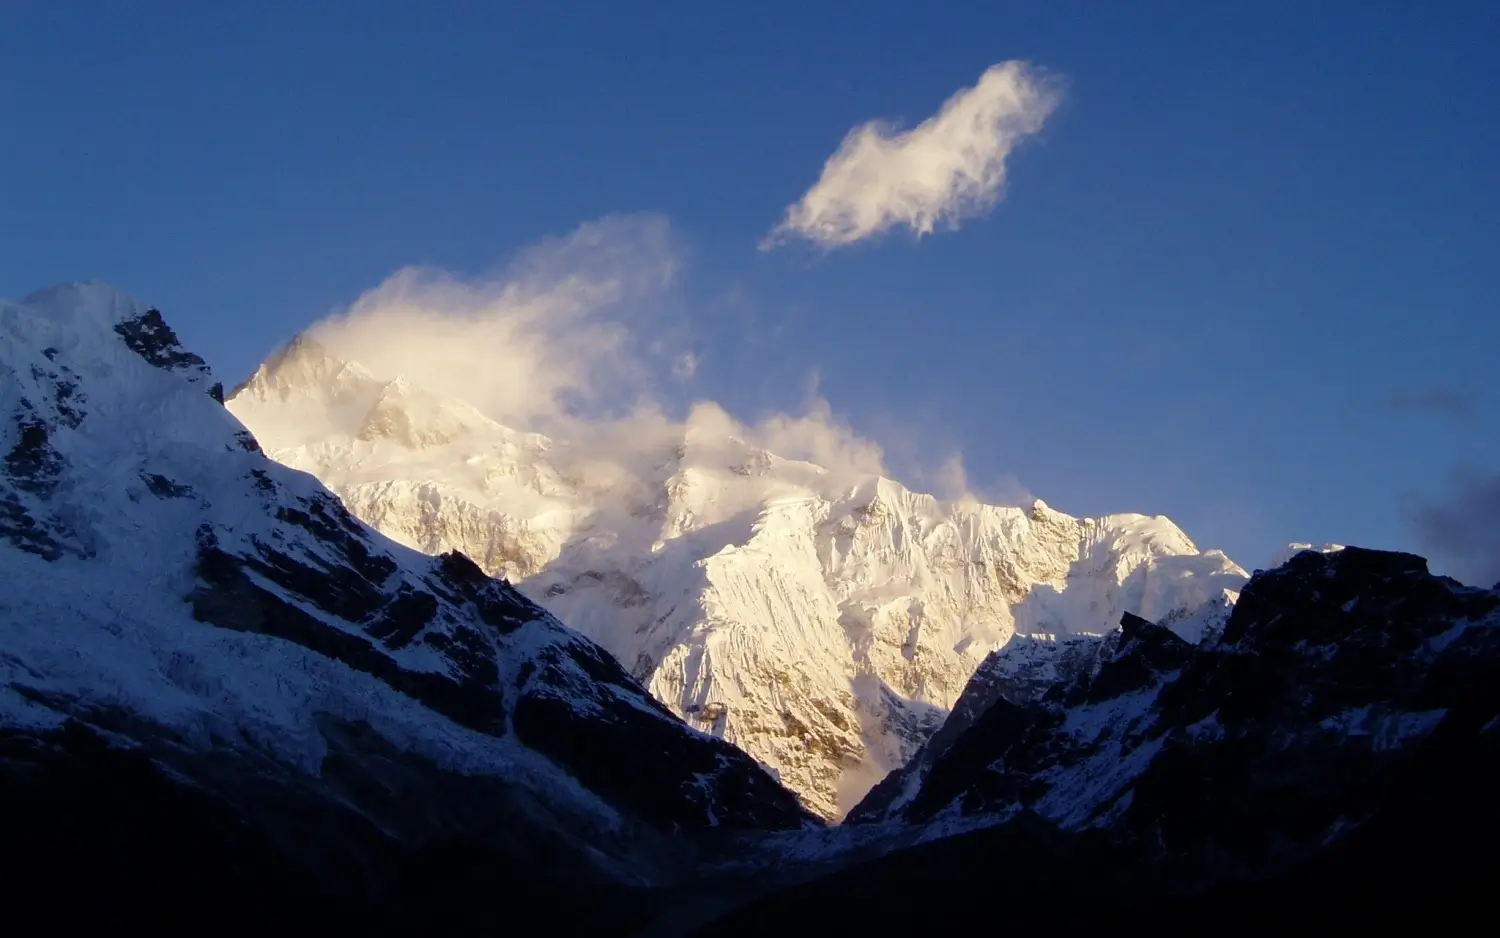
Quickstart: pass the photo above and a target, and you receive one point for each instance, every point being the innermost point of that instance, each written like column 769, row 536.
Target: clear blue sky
column 1248, row 232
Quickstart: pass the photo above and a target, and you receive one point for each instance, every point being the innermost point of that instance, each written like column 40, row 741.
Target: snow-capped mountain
column 1339, row 658
column 823, row 624
column 221, row 692
column 1020, row 673
column 1330, row 759
column 169, row 590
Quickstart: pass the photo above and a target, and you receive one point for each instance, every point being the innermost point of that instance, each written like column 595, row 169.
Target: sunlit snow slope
column 162, row 580
column 823, row 624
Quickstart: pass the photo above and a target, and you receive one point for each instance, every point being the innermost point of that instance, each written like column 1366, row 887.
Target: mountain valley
column 250, row 678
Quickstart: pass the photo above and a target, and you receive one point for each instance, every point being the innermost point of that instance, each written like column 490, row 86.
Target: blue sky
column 1247, row 273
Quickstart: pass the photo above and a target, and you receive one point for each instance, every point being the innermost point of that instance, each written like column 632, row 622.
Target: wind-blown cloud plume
column 584, row 339
column 1464, row 528
column 947, row 169
column 575, row 325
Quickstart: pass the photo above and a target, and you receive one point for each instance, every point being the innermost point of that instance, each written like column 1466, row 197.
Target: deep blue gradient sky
column 1247, row 233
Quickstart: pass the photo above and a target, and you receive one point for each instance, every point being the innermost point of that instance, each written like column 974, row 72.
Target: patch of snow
column 1386, row 730
column 1208, row 728
column 1297, row 547
column 1111, row 734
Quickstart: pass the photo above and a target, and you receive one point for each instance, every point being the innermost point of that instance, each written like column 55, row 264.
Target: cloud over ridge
column 946, row 170
column 557, row 332
column 582, row 339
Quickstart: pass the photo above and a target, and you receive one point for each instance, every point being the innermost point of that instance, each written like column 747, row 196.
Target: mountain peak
column 213, row 607
column 92, row 300
column 824, row 620
column 327, row 395
column 304, row 365
column 302, row 348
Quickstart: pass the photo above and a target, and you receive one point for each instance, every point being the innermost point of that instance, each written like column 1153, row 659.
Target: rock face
column 1331, row 758
column 1338, row 675
column 170, row 591
column 825, row 624
column 1018, row 674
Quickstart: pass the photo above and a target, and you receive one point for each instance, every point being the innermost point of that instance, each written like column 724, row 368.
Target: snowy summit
column 823, row 624
column 167, row 581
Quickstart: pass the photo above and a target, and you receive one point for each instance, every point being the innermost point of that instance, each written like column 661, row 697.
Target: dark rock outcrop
column 1338, row 676
column 149, row 336
column 1331, row 762
column 1020, row 674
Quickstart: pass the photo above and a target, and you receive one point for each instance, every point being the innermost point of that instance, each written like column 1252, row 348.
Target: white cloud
column 819, row 437
column 947, row 169
column 951, row 480
column 581, row 339
column 561, row 332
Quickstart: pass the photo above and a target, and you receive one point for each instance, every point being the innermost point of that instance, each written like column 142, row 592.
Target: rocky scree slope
column 174, row 599
column 823, row 623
